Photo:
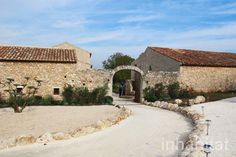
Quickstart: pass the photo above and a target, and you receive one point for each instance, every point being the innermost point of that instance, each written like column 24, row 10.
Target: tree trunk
column 17, row 109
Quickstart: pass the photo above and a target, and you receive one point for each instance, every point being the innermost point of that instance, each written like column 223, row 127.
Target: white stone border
column 193, row 145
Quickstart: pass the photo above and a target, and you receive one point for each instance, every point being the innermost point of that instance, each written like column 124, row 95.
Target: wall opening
column 56, row 91
column 130, row 87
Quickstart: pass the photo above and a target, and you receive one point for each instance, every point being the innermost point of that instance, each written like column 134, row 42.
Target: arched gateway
column 138, row 79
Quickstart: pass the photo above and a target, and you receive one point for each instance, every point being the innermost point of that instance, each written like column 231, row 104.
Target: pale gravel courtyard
column 37, row 120
column 144, row 134
column 222, row 131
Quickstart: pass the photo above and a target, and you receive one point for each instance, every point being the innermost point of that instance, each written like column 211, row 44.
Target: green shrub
column 187, row 93
column 48, row 100
column 82, row 96
column 108, row 100
column 68, row 94
column 164, row 96
column 150, row 94
column 98, row 95
column 161, row 92
column 160, row 88
column 2, row 102
column 174, row 90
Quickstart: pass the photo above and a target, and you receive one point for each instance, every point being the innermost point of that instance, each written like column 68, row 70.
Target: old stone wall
column 153, row 78
column 53, row 75
column 208, row 79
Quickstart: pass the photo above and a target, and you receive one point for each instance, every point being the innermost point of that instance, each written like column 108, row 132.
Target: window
column 19, row 89
column 56, row 91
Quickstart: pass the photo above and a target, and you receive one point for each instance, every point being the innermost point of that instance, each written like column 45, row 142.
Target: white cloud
column 217, row 38
column 227, row 29
column 101, row 36
column 10, row 32
column 30, row 4
column 139, row 18
column 227, row 9
column 71, row 23
column 225, row 12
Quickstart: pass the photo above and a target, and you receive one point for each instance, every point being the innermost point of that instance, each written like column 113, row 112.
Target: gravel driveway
column 148, row 132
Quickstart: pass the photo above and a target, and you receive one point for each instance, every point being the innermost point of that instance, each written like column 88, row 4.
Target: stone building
column 84, row 57
column 202, row 71
column 56, row 67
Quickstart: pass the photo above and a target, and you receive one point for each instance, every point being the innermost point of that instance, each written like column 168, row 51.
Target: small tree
column 18, row 100
column 116, row 60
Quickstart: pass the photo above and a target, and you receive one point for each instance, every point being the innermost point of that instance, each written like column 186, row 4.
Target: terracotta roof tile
column 198, row 57
column 35, row 54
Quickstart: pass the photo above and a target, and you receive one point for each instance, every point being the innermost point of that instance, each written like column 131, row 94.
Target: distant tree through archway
column 139, row 77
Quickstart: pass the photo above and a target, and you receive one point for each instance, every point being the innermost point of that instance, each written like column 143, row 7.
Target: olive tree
column 19, row 99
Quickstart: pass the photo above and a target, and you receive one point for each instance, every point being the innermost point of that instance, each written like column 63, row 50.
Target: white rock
column 178, row 101
column 45, row 138
column 199, row 99
column 191, row 102
column 25, row 139
column 61, row 136
column 164, row 105
column 157, row 103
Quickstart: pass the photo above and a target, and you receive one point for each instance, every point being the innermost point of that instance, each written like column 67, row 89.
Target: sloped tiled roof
column 35, row 54
column 198, row 57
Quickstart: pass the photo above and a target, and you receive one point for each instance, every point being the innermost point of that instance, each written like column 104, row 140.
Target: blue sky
column 107, row 26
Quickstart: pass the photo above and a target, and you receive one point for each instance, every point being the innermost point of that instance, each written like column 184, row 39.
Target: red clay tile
column 198, row 57
column 34, row 54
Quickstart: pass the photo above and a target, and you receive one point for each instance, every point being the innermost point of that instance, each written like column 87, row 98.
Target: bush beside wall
column 167, row 92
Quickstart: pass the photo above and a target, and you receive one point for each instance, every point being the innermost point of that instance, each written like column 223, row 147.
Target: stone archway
column 139, row 94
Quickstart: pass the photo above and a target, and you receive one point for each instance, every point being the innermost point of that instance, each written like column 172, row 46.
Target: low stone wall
column 49, row 137
column 193, row 146
column 208, row 79
column 153, row 78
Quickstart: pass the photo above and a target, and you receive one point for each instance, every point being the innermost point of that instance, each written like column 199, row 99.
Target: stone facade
column 152, row 78
column 53, row 75
column 208, row 79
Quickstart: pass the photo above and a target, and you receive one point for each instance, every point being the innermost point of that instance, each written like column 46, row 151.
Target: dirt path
column 143, row 134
